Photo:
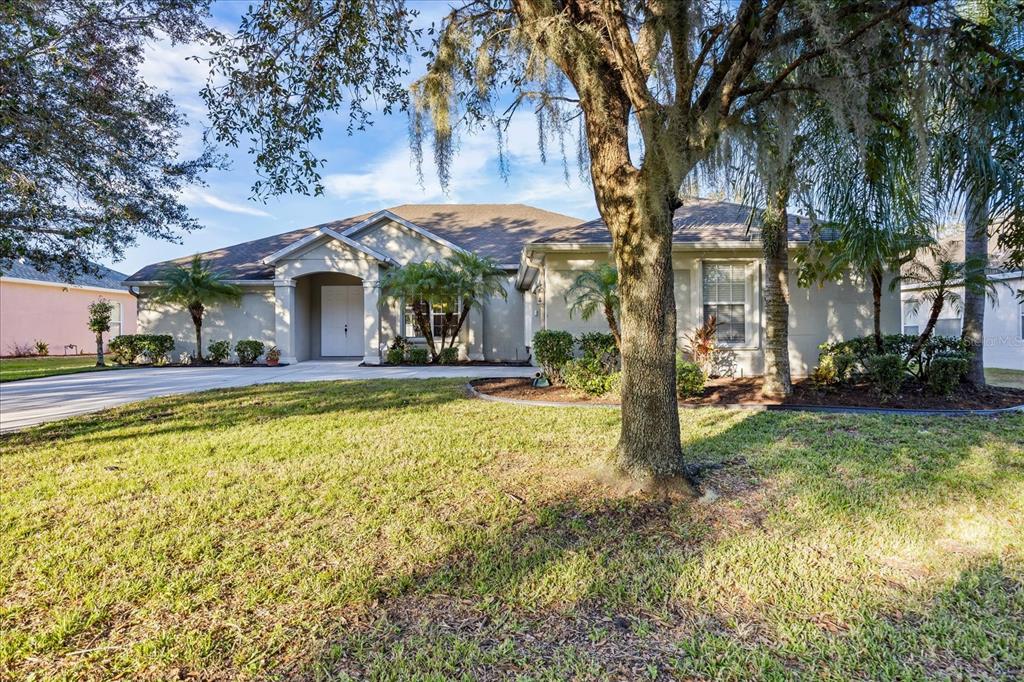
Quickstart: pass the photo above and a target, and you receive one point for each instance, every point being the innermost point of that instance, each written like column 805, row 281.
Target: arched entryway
column 329, row 316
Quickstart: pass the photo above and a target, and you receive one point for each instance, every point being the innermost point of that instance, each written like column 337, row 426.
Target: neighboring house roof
column 104, row 279
column 698, row 220
column 498, row 231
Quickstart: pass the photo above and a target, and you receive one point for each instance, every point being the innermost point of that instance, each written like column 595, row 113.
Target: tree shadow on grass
column 585, row 585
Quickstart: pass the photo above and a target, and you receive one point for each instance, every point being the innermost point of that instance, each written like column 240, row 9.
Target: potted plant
column 273, row 356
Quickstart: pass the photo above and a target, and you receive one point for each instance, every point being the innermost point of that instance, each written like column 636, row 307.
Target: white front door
column 341, row 321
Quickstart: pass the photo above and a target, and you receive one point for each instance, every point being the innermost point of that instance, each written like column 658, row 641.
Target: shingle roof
column 105, row 278
column 496, row 230
column 698, row 220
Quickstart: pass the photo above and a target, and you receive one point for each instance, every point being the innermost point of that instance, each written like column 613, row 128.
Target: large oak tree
column 652, row 85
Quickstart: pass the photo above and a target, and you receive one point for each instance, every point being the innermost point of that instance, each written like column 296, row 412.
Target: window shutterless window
column 436, row 315
column 725, row 298
column 910, row 313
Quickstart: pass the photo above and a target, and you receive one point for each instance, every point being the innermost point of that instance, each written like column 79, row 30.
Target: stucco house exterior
column 1004, row 312
column 314, row 292
column 36, row 305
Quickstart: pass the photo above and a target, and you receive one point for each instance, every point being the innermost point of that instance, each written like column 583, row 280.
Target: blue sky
column 366, row 171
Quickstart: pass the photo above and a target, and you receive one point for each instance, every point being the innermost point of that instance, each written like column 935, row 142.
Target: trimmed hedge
column 448, row 356
column 128, row 348
column 248, row 351
column 588, row 375
column 553, row 349
column 690, row 378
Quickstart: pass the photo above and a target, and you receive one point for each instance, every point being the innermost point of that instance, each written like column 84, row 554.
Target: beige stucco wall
column 835, row 311
column 253, row 318
column 503, row 326
column 400, row 243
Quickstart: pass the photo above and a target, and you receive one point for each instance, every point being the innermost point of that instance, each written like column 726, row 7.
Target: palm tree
column 474, row 279
column 419, row 284
column 937, row 278
column 977, row 140
column 194, row 287
column 597, row 289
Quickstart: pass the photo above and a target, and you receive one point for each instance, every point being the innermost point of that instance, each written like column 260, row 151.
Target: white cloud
column 192, row 196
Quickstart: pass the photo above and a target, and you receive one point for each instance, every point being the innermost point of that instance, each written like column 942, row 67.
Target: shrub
column 599, row 346
column 42, row 348
column 847, row 360
column 690, row 378
column 946, row 373
column 273, row 354
column 885, row 373
column 448, row 356
column 702, row 345
column 397, row 349
column 218, row 351
column 248, row 350
column 128, row 348
column 418, row 355
column 20, row 350
column 614, row 383
column 586, row 375
column 553, row 349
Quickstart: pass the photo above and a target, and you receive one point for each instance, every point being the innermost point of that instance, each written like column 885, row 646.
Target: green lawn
column 395, row 530
column 1005, row 377
column 12, row 369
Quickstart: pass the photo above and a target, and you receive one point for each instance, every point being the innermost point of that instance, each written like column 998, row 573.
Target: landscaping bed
column 747, row 391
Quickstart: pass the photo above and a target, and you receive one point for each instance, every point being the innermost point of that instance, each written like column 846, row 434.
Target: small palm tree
column 473, row 279
column 597, row 289
column 420, row 285
column 99, row 323
column 937, row 278
column 194, row 287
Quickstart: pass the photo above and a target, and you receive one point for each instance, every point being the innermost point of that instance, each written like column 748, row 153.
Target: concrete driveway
column 34, row 401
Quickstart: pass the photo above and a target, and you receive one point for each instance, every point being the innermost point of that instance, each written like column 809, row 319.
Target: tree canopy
column 88, row 151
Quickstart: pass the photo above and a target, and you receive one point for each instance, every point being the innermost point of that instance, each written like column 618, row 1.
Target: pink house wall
column 56, row 314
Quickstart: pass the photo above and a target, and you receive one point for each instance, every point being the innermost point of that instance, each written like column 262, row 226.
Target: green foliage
column 128, row 348
column 846, row 360
column 273, row 354
column 552, row 349
column 248, row 351
column 193, row 288
column 448, row 356
column 42, row 348
column 690, row 378
column 947, row 373
column 588, row 375
column 219, row 351
column 89, row 151
column 886, row 372
column 397, row 348
column 596, row 290
column 100, row 311
column 599, row 346
column 702, row 345
column 418, row 355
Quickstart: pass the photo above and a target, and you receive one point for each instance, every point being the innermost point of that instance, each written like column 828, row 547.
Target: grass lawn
column 395, row 530
column 12, row 369
column 1005, row 377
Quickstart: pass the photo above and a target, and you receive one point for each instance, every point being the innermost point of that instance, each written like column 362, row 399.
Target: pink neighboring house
column 39, row 305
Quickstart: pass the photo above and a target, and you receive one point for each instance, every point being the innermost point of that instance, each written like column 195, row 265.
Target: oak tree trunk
column 649, row 443
column 775, row 243
column 975, row 247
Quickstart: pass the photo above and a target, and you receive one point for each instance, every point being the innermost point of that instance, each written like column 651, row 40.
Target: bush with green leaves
column 419, row 355
column 690, row 378
column 886, row 372
column 218, row 351
column 552, row 349
column 588, row 375
column 248, row 351
column 448, row 356
column 599, row 346
column 397, row 348
column 128, row 348
column 846, row 360
column 946, row 374
column 42, row 348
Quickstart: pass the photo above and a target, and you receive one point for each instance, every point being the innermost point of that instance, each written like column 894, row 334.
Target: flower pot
column 272, row 362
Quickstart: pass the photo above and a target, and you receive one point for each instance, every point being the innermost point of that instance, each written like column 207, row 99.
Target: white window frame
column 407, row 320
column 749, row 339
column 911, row 302
column 120, row 320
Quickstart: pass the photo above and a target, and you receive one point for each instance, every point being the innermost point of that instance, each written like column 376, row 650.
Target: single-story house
column 1004, row 312
column 42, row 306
column 313, row 292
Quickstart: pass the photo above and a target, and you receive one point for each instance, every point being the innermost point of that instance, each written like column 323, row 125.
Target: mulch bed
column 747, row 391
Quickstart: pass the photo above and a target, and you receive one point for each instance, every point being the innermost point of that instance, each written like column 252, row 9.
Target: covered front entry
column 341, row 321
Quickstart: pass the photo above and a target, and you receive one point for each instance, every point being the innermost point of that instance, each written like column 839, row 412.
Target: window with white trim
column 725, row 297
column 115, row 319
column 436, row 320
column 910, row 317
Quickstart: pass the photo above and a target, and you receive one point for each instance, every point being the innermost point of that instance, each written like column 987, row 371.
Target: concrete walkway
column 35, row 401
